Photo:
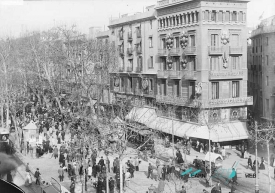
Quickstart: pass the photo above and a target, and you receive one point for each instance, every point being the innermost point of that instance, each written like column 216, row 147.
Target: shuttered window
column 215, row 90
column 214, row 63
column 234, row 40
column 214, row 40
column 235, row 89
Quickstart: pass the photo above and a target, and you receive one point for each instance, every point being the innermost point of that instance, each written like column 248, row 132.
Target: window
column 150, row 42
column 151, row 26
column 163, row 42
column 235, row 89
column 266, row 58
column 220, row 16
column 267, row 81
column 266, row 107
column 227, row 16
column 177, row 42
column 192, row 63
column 234, row 16
column 130, row 81
column 163, row 87
column 130, row 64
column 215, row 90
column 214, row 40
column 177, row 88
column 240, row 16
column 151, row 84
column 213, row 15
column 234, row 40
column 151, row 64
column 206, row 15
column 235, row 62
column 214, row 63
column 192, row 90
column 122, row 82
column 267, row 41
column 192, row 41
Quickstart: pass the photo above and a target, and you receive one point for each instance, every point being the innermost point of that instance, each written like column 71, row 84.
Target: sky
column 18, row 15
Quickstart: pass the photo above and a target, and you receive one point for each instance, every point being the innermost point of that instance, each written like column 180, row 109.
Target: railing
column 138, row 50
column 129, row 69
column 138, row 92
column 163, row 2
column 236, row 50
column 162, row 52
column 190, row 50
column 130, row 36
column 188, row 75
column 121, row 69
column 215, row 50
column 139, row 69
column 175, row 51
column 129, row 90
column 149, row 92
column 129, row 51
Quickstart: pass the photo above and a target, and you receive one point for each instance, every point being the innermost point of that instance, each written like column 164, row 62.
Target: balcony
column 129, row 51
column 173, row 74
column 129, row 90
column 149, row 93
column 139, row 69
column 138, row 50
column 162, row 52
column 138, row 92
column 130, row 37
column 190, row 50
column 120, row 35
column 229, row 102
column 175, row 51
column 215, row 50
column 121, row 69
column 138, row 33
column 174, row 100
column 236, row 74
column 121, row 50
column 129, row 69
column 236, row 50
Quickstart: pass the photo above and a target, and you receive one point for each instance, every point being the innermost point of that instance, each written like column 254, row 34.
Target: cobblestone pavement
column 140, row 183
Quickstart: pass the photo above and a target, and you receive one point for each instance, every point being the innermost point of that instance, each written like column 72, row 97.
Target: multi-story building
column 261, row 69
column 186, row 53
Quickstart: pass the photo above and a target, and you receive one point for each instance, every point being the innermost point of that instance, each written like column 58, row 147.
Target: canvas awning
column 118, row 121
column 213, row 157
column 220, row 133
column 142, row 115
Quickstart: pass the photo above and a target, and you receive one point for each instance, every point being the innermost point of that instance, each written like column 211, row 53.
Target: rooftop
column 266, row 26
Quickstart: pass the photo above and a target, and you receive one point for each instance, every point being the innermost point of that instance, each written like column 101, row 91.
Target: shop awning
column 142, row 115
column 118, row 121
column 220, row 133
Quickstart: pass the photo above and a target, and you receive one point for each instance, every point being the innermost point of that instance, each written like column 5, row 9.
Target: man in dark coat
column 150, row 171
column 163, row 172
column 99, row 186
column 217, row 188
column 249, row 162
column 111, row 185
column 101, row 162
column 98, row 169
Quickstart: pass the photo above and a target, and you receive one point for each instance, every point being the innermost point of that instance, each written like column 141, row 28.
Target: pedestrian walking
column 111, row 185
column 27, row 168
column 223, row 153
column 37, row 176
column 90, row 172
column 61, row 174
column 31, row 150
column 183, row 190
column 249, row 163
column 55, row 152
column 150, row 171
column 72, row 187
column 136, row 162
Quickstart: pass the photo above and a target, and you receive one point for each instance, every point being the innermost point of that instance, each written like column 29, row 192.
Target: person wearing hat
column 183, row 190
column 37, row 176
column 101, row 162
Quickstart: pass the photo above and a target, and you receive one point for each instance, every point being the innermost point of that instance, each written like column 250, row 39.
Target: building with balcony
column 261, row 65
column 194, row 65
column 136, row 39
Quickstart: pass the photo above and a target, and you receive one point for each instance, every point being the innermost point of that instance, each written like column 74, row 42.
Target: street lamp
column 256, row 154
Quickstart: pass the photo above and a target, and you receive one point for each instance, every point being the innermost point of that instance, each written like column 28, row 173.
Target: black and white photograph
column 137, row 96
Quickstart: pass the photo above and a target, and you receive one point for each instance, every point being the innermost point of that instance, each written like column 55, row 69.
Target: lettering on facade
column 226, row 74
column 231, row 100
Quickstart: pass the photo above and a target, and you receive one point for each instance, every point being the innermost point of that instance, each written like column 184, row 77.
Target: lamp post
column 256, row 159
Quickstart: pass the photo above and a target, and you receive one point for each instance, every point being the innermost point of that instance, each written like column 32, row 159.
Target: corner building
column 187, row 53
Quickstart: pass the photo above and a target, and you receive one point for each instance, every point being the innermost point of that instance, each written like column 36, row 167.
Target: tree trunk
column 268, row 168
column 2, row 114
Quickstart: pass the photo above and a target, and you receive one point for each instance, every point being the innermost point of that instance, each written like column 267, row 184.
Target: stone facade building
column 262, row 68
column 184, row 65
